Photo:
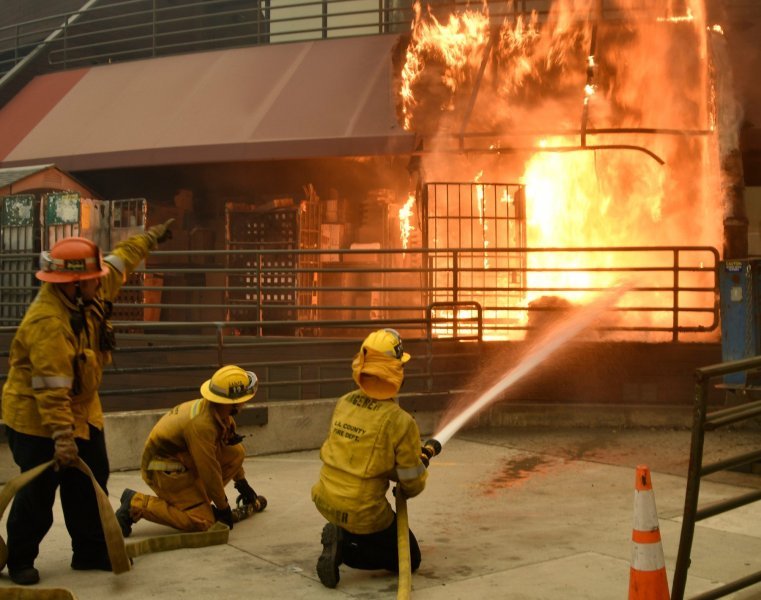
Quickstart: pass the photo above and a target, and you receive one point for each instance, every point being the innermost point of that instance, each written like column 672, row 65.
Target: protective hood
column 379, row 376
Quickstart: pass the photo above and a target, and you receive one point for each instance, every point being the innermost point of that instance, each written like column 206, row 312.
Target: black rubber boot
column 91, row 564
column 330, row 559
column 24, row 576
column 122, row 513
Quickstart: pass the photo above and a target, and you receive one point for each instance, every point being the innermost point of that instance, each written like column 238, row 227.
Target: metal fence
column 705, row 420
column 446, row 302
column 448, row 291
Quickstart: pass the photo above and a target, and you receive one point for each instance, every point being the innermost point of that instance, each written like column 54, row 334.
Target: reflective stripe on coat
column 370, row 443
column 37, row 396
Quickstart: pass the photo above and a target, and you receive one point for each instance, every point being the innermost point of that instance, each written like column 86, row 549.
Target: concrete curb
column 289, row 426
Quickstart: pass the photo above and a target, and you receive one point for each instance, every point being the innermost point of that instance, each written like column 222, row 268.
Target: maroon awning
column 298, row 100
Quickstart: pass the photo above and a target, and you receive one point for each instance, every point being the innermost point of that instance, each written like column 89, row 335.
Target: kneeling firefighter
column 191, row 454
column 371, row 441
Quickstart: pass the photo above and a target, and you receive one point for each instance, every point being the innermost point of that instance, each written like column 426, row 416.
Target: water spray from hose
column 544, row 348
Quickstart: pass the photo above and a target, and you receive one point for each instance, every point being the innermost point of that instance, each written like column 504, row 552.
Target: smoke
column 729, row 112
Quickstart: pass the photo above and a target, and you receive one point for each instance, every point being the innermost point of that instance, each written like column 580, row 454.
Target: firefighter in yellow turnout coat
column 189, row 457
column 371, row 441
column 50, row 402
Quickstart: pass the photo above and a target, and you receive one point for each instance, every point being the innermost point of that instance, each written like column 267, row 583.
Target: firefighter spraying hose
column 546, row 346
column 372, row 443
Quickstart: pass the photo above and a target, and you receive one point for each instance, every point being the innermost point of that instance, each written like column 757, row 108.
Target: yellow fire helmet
column 388, row 342
column 378, row 367
column 230, row 385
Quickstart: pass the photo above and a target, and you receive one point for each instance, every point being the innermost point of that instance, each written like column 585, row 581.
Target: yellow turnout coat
column 45, row 390
column 370, row 443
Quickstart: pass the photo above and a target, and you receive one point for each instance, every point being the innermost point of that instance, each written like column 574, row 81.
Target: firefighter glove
column 247, row 493
column 426, row 454
column 161, row 233
column 224, row 515
column 66, row 452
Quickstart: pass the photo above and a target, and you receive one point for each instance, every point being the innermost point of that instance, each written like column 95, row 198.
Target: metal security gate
column 270, row 287
column 478, row 219
column 19, row 234
column 127, row 218
column 66, row 214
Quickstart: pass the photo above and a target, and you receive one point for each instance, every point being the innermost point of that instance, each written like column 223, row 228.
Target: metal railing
column 707, row 421
column 105, row 31
column 674, row 293
column 300, row 327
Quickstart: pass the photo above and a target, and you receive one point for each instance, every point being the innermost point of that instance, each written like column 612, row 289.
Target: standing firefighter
column 191, row 454
column 372, row 441
column 50, row 403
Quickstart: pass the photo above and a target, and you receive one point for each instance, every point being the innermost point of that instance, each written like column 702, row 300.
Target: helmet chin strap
column 78, row 299
column 80, row 302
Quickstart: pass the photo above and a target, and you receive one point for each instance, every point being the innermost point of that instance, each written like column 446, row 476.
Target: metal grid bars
column 18, row 235
column 270, row 286
column 477, row 218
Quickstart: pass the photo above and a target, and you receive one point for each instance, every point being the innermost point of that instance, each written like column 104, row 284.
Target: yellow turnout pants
column 181, row 500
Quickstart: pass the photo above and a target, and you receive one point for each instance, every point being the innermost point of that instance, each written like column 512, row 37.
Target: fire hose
column 404, row 588
column 119, row 553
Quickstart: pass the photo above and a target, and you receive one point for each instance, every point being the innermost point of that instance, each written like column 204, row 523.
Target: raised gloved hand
column 224, row 515
column 66, row 452
column 162, row 232
column 247, row 493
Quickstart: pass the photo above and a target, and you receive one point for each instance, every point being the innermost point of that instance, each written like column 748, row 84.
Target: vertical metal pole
column 693, row 488
column 324, row 19
column 429, row 348
column 455, row 291
column 153, row 29
column 259, row 310
column 267, row 19
column 675, row 310
column 65, row 41
column 220, row 343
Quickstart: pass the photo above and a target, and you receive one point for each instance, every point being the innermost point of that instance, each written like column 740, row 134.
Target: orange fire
column 612, row 139
column 405, row 221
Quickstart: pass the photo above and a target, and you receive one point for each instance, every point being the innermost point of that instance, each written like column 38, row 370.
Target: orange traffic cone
column 647, row 576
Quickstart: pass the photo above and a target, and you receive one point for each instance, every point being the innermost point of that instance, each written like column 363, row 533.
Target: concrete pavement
column 516, row 513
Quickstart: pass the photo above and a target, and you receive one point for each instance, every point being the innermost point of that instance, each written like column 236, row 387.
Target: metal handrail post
column 324, row 19
column 153, row 28
column 455, row 290
column 65, row 43
column 220, row 342
column 259, row 299
column 429, row 347
column 675, row 330
column 693, row 487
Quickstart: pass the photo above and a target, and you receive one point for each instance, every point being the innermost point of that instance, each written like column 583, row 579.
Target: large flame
column 609, row 134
